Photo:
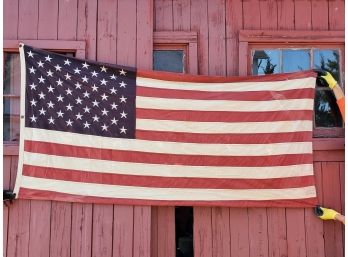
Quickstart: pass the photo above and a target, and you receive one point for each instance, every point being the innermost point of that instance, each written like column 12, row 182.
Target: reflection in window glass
column 327, row 59
column 266, row 62
column 327, row 113
column 168, row 60
column 296, row 60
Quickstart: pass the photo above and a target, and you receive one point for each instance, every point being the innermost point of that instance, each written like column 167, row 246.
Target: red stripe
column 236, row 96
column 171, row 76
column 165, row 182
column 25, row 193
column 169, row 159
column 220, row 116
column 262, row 138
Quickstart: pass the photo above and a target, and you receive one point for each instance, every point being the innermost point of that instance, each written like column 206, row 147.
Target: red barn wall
column 121, row 31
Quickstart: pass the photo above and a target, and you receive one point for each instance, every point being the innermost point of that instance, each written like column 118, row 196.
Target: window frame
column 11, row 46
column 250, row 40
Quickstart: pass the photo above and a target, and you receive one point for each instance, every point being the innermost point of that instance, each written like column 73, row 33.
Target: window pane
column 12, row 73
column 168, row 60
column 266, row 62
column 296, row 60
column 327, row 59
column 11, row 119
column 327, row 113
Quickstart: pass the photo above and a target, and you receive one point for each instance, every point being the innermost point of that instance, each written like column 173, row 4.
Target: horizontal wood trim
column 328, row 156
column 11, row 149
column 12, row 45
column 291, row 36
column 174, row 37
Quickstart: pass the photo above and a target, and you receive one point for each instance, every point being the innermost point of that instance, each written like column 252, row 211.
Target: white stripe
column 168, row 147
column 162, row 170
column 223, row 127
column 223, row 105
column 229, row 86
column 179, row 194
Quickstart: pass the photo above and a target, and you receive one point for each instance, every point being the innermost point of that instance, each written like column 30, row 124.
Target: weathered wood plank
column 123, row 231
column 336, row 15
column 6, row 171
column 296, row 234
column 163, row 15
column 199, row 23
column 234, row 22
column 166, row 231
column 67, row 19
column 243, row 59
column 48, row 19
column 320, row 18
column 154, row 231
column 217, row 45
column 221, row 232
column 251, row 14
column 202, row 232
column 303, row 15
column 276, row 223
column 314, row 234
column 268, row 14
column 102, row 230
column 6, row 186
column 181, row 15
column 10, row 19
column 142, row 236
column 28, row 19
column 87, row 26
column 81, row 230
column 286, row 14
column 14, row 168
column 239, row 232
column 60, row 229
column 318, row 181
column 258, row 240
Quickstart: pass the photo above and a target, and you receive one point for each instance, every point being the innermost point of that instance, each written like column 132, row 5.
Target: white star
column 30, row 54
column 42, row 111
column 103, row 82
column 59, row 82
column 78, row 100
column 85, row 65
column 50, row 89
column 33, row 102
column 50, row 104
column 113, row 76
column 33, row 86
column 67, row 76
column 60, row 98
column 122, row 84
column 69, row 122
column 49, row 73
column 95, row 118
column 48, row 58
column 69, row 107
column 86, row 124
column 32, row 70
column 104, row 127
column 123, row 99
column 58, row 68
column 94, row 88
column 86, row 94
column 104, row 96
column 94, row 74
column 51, row 120
column 103, row 68
column 114, row 121
column 41, row 80
column 60, row 113
column 40, row 63
column 123, row 114
column 67, row 62
column 78, row 85
column 85, row 79
column 123, row 130
column 33, row 118
column 42, row 95
column 105, row 112
column 114, row 106
column 68, row 91
column 86, row 109
column 95, row 103
column 123, row 72
column 113, row 90
column 77, row 71
column 79, row 116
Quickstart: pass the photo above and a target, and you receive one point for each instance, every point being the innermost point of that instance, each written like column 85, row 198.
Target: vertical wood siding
column 120, row 31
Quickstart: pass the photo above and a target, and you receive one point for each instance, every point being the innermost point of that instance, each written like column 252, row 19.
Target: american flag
column 100, row 133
